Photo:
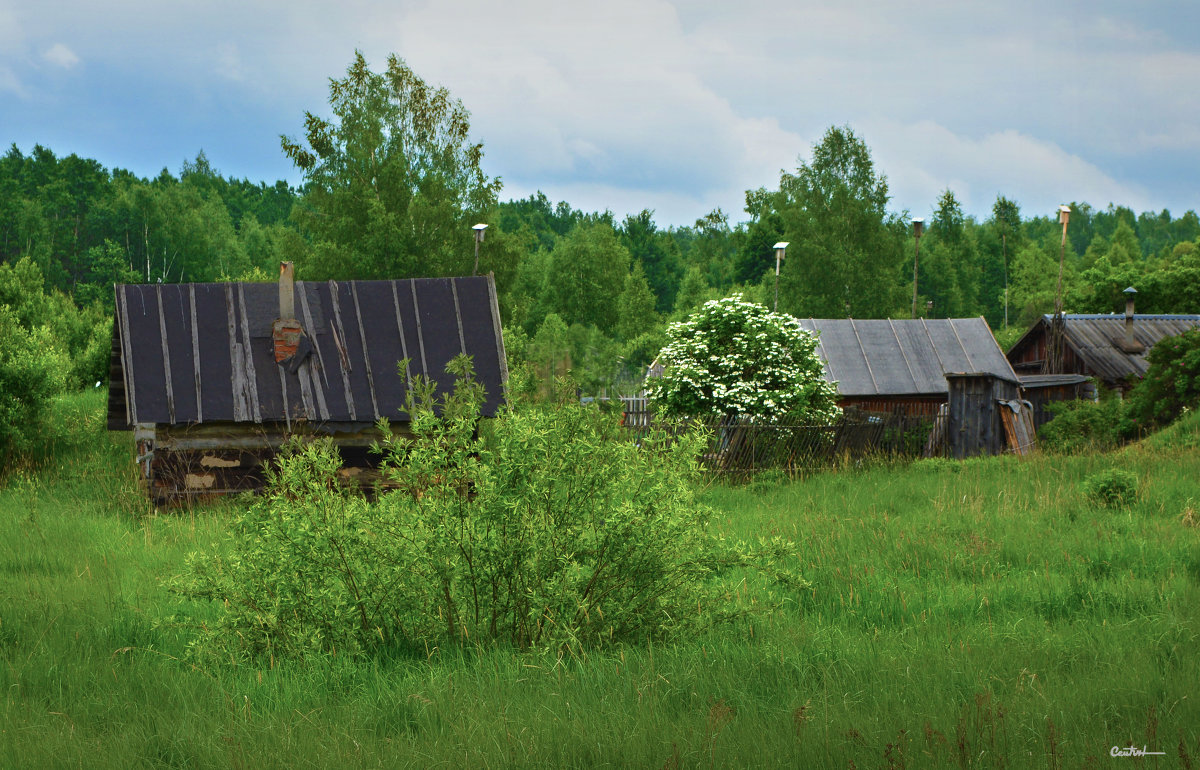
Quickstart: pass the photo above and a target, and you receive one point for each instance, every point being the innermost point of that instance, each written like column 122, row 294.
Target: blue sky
column 677, row 107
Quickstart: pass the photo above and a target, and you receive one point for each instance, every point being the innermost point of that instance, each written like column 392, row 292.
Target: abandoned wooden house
column 901, row 365
column 1111, row 348
column 949, row 371
column 213, row 378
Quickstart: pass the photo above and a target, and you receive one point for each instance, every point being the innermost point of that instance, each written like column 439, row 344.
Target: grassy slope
column 974, row 614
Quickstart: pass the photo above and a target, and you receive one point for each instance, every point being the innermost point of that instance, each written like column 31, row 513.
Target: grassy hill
column 962, row 614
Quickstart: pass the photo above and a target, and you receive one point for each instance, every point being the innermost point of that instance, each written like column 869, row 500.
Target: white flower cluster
column 736, row 358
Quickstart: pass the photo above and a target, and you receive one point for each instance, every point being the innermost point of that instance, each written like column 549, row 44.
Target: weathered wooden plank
column 251, row 376
column 287, row 410
column 420, row 334
column 462, row 343
column 400, row 331
column 195, row 352
column 166, row 352
column 362, row 336
column 495, row 309
column 127, row 363
column 237, row 361
column 337, row 329
column 307, row 367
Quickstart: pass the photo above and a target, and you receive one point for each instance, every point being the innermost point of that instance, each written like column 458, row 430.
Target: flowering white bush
column 735, row 358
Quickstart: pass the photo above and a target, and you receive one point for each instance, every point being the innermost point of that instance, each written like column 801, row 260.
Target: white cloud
column 923, row 159
column 681, row 106
column 9, row 82
column 61, row 56
column 229, row 62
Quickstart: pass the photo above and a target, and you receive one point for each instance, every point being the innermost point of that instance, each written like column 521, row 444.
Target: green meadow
column 984, row 613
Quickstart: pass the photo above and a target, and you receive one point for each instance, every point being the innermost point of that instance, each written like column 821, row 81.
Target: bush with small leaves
column 544, row 528
column 1112, row 488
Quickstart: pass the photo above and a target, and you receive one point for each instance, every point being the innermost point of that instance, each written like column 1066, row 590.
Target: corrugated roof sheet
column 905, row 357
column 1051, row 380
column 1095, row 340
column 197, row 353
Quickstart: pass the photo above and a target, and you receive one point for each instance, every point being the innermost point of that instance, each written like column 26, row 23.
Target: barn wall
column 900, row 405
column 179, row 463
column 975, row 426
column 1031, row 359
column 1041, row 397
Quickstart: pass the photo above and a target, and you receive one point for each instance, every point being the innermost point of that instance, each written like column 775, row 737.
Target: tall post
column 918, row 225
column 479, row 228
column 1058, row 325
column 286, row 291
column 780, row 252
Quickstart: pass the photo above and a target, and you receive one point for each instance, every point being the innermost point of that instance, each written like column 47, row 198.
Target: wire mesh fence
column 741, row 446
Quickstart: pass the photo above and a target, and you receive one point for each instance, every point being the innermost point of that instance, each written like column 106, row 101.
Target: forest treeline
column 392, row 186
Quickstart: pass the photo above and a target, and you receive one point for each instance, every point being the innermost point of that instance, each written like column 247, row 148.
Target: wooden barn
column 1112, row 348
column 213, row 378
column 900, row 366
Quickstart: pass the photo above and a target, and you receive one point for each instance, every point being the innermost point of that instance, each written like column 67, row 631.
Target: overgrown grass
column 976, row 614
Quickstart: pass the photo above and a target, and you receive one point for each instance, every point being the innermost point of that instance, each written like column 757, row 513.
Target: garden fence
column 741, row 446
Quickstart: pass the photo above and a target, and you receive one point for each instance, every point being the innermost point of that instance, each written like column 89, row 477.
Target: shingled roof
column 1097, row 341
column 201, row 353
column 905, row 357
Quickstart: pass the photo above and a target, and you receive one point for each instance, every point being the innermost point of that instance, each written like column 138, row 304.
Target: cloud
column 922, row 159
column 61, row 56
column 10, row 82
column 674, row 105
column 229, row 62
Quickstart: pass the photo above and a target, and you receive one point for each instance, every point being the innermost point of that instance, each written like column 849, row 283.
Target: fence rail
column 741, row 446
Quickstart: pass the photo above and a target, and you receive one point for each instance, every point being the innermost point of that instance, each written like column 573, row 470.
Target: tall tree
column 657, row 254
column 393, row 181
column 950, row 270
column 587, row 274
column 846, row 253
column 635, row 306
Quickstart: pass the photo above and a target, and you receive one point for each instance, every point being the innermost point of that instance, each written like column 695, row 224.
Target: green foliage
column 393, row 182
column 543, row 529
column 1112, row 488
column 1084, row 426
column 737, row 359
column 30, row 375
column 1171, row 384
column 658, row 255
column 977, row 580
column 635, row 306
column 587, row 274
column 846, row 248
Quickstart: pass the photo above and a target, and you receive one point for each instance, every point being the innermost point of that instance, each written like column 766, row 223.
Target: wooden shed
column 1041, row 390
column 987, row 416
column 900, row 365
column 1112, row 348
column 213, row 378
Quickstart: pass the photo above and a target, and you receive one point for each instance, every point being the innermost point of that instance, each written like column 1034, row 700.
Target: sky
column 625, row 105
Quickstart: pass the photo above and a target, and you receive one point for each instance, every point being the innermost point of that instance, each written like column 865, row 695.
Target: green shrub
column 30, row 375
column 1113, row 488
column 1171, row 384
column 1080, row 426
column 543, row 528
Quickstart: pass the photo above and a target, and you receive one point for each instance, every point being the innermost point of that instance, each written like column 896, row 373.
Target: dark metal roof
column 905, row 357
column 1096, row 340
column 198, row 353
column 1051, row 380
